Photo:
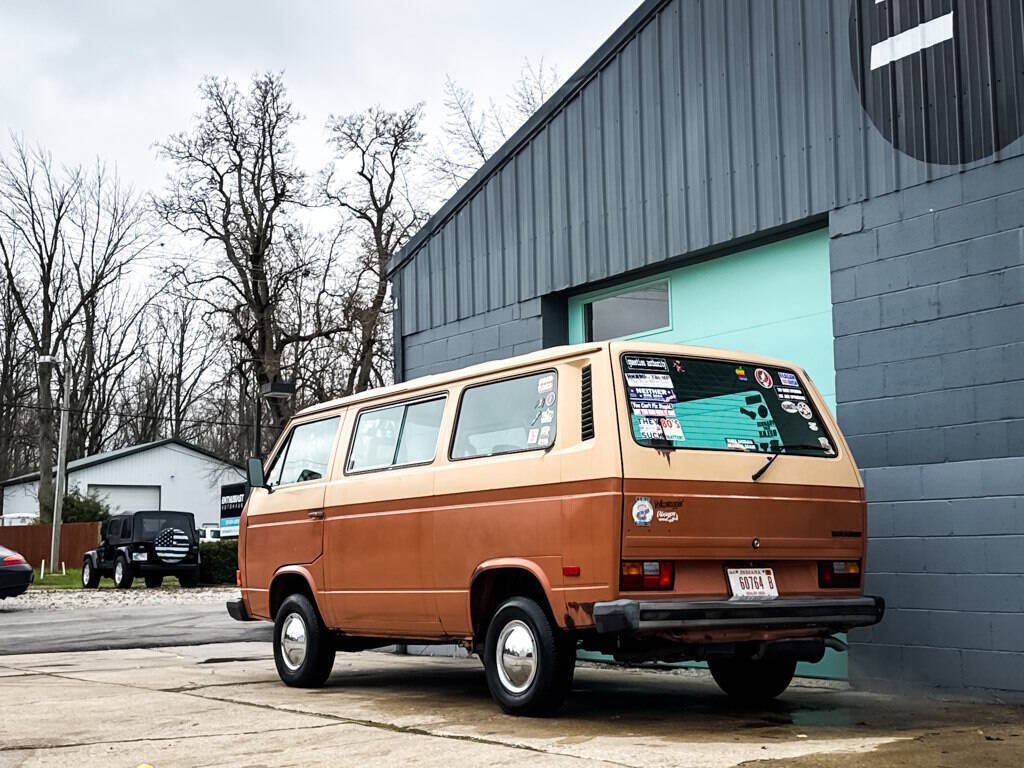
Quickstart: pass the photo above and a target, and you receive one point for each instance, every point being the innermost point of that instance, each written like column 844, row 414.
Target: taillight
column 14, row 560
column 238, row 578
column 646, row 574
column 838, row 574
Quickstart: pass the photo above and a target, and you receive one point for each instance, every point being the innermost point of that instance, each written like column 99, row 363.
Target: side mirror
column 254, row 473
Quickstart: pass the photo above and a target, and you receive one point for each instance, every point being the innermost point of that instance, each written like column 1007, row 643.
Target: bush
column 219, row 561
column 83, row 509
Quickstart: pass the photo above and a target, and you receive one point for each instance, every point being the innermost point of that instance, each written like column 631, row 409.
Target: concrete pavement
column 42, row 621
column 223, row 705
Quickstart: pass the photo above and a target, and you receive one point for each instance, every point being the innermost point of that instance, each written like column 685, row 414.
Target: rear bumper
column 164, row 568
column 15, row 579
column 237, row 610
column 837, row 614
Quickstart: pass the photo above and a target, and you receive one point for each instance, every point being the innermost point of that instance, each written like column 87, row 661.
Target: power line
column 125, row 414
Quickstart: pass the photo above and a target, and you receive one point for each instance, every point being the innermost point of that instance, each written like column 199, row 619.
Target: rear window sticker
column 652, row 393
column 655, row 380
column 764, row 378
column 787, row 379
column 804, row 410
column 767, row 429
column 741, row 374
column 812, row 425
column 655, row 410
column 740, row 444
column 825, row 444
column 672, row 429
column 550, row 399
column 678, row 366
column 531, row 439
column 649, row 363
column 650, row 429
column 547, row 416
column 788, row 406
column 546, row 383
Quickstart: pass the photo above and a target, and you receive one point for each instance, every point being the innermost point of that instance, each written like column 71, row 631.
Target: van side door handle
column 315, row 514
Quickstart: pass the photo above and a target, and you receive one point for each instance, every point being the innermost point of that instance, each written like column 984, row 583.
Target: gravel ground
column 75, row 599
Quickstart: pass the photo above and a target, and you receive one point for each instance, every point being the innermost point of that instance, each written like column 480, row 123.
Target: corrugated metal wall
column 710, row 120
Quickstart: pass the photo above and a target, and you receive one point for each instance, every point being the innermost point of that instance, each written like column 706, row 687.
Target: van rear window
column 687, row 402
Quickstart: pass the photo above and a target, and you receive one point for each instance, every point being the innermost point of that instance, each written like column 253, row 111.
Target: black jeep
column 150, row 544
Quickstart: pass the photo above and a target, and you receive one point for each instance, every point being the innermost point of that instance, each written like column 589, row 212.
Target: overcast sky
column 110, row 77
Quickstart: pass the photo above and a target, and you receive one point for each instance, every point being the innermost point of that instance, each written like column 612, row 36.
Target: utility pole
column 62, row 469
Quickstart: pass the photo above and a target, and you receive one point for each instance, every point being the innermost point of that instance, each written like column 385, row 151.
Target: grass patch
column 72, row 579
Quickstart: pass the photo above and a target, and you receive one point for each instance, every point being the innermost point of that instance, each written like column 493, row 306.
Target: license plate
column 750, row 583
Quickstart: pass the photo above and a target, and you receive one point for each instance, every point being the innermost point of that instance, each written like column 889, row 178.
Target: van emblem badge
column 643, row 512
column 668, row 516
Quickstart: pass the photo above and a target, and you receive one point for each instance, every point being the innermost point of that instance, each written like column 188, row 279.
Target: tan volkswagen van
column 649, row 501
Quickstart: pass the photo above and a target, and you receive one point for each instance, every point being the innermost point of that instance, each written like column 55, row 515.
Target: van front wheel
column 752, row 682
column 529, row 666
column 303, row 652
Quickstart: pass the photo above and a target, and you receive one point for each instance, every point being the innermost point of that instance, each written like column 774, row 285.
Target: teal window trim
column 577, row 329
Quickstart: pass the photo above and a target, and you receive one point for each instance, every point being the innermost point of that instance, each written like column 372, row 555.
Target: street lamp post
column 274, row 390
column 60, row 488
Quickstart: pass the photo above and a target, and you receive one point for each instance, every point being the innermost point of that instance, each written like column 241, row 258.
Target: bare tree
column 16, row 387
column 66, row 236
column 383, row 147
column 234, row 185
column 471, row 133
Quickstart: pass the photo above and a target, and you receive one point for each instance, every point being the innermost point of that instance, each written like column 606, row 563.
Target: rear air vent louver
column 587, row 406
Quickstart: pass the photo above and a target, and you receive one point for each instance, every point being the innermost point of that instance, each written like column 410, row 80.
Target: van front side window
column 507, row 416
column 309, row 451
column 398, row 435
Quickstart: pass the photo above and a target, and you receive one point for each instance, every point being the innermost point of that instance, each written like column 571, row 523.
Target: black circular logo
column 942, row 80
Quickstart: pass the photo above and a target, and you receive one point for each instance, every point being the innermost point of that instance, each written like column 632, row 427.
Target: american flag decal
column 171, row 544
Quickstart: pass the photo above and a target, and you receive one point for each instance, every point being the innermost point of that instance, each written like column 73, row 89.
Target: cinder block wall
column 928, row 294
column 512, row 330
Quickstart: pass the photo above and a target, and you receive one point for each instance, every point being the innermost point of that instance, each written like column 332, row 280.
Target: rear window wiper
column 776, row 452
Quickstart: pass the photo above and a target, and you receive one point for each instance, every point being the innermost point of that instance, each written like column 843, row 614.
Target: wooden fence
column 33, row 541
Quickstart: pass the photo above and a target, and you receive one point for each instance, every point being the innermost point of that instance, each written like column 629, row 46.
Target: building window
column 634, row 311
column 507, row 416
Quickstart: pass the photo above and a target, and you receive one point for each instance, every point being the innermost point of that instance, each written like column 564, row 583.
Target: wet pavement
column 223, row 705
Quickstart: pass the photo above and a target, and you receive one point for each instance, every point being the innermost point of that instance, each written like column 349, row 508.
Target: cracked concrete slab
column 223, row 704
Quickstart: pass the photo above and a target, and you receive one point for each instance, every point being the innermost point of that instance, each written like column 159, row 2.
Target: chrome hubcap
column 293, row 641
column 119, row 573
column 85, row 573
column 516, row 656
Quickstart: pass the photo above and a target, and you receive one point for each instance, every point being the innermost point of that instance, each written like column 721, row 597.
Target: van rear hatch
column 696, row 431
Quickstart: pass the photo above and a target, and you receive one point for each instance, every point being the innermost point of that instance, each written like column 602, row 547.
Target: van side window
column 507, row 416
column 398, row 435
column 308, row 452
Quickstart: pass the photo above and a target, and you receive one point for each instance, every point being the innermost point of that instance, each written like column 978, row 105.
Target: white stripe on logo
column 907, row 43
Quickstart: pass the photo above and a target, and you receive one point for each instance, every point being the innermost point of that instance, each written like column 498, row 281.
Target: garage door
column 773, row 300
column 128, row 498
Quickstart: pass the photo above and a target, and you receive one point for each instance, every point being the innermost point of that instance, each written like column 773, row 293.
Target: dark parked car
column 148, row 544
column 15, row 573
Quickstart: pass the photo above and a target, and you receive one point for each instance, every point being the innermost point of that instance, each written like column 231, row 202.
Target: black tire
column 90, row 576
column 312, row 669
column 154, row 582
column 539, row 692
column 752, row 682
column 190, row 579
column 123, row 576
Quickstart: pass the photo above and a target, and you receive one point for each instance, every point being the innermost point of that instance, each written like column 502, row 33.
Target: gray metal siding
column 710, row 121
column 928, row 297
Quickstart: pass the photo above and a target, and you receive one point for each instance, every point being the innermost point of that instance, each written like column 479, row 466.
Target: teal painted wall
column 773, row 300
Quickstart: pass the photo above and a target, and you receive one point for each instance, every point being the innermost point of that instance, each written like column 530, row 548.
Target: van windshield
column 688, row 402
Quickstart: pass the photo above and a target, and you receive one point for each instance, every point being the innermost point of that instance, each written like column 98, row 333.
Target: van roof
column 551, row 354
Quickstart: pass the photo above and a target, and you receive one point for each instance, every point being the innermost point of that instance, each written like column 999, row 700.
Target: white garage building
column 166, row 474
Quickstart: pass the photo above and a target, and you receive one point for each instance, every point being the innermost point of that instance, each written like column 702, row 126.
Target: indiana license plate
column 753, row 583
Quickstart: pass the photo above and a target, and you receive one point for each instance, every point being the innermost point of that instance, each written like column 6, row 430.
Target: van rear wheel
column 303, row 651
column 528, row 664
column 752, row 681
